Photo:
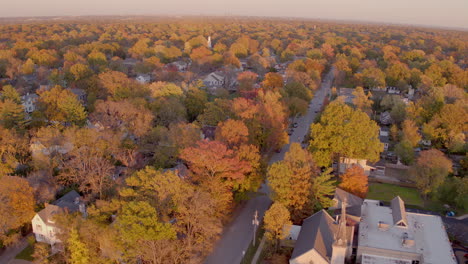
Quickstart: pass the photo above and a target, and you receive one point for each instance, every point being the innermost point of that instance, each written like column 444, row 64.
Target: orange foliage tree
column 355, row 181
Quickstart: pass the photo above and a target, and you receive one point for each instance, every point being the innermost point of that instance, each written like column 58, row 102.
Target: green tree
column 79, row 252
column 344, row 132
column 141, row 233
column 195, row 102
column 405, row 151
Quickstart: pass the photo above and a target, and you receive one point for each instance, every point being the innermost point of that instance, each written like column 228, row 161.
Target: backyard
column 386, row 192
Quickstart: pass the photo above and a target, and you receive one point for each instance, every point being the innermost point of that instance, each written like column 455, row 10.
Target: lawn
column 26, row 254
column 386, row 192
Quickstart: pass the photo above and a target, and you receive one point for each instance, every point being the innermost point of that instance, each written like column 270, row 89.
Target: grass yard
column 26, row 254
column 386, row 192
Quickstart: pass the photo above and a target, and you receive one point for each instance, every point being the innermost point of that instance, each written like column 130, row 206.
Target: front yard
column 386, row 192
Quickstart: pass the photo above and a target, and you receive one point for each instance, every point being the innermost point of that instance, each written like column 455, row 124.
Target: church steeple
column 208, row 43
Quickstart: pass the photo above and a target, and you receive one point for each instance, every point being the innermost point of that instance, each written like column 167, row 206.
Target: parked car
column 295, row 124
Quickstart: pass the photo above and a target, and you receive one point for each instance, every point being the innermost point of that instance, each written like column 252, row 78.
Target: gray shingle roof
column 67, row 201
column 398, row 211
column 317, row 233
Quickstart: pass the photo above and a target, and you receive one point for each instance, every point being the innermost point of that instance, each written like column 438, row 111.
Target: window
column 38, row 228
column 415, row 262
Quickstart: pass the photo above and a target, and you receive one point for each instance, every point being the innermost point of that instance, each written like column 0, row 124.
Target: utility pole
column 255, row 224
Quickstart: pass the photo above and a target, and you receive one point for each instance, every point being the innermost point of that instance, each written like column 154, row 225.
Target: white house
column 29, row 102
column 346, row 163
column 214, row 81
column 384, row 137
column 392, row 235
column 393, row 90
column 181, row 66
column 44, row 224
column 143, row 78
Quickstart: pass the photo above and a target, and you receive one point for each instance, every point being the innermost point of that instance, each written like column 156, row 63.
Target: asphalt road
column 239, row 233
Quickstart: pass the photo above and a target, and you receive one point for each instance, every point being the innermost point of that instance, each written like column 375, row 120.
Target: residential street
column 238, row 234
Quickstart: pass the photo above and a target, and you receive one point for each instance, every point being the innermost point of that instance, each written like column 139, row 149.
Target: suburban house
column 346, row 163
column 389, row 234
column 386, row 118
column 29, row 102
column 80, row 95
column 43, row 223
column 214, row 81
column 143, row 78
column 323, row 239
column 346, row 94
column 384, row 136
column 393, row 90
column 181, row 66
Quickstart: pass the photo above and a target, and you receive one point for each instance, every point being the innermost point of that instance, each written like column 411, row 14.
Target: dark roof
column 69, row 200
column 317, row 233
column 351, row 199
column 398, row 211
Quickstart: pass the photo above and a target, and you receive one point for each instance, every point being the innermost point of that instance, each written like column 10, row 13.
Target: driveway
column 10, row 253
column 238, row 234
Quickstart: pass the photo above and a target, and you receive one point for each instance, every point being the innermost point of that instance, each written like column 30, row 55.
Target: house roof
column 351, row 199
column 68, row 201
column 398, row 211
column 78, row 92
column 317, row 233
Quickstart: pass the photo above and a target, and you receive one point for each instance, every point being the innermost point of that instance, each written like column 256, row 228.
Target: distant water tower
column 208, row 43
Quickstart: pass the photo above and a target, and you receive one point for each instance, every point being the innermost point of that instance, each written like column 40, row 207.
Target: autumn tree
column 195, row 102
column 123, row 114
column 11, row 114
column 405, row 151
column 79, row 253
column 160, row 89
column 87, row 164
column 430, row 170
column 344, row 132
column 13, row 151
column 277, row 223
column 362, row 101
column 16, row 208
column 142, row 234
column 62, row 105
column 291, row 179
column 217, row 168
column 232, row 133
column 410, row 132
column 355, row 181
column 272, row 81
column 247, row 80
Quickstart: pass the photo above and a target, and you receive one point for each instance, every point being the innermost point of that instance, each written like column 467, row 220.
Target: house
column 38, row 150
column 143, row 78
column 346, row 94
column 386, row 118
column 346, row 163
column 181, row 66
column 353, row 203
column 29, row 102
column 208, row 132
column 214, row 81
column 393, row 90
column 80, row 95
column 384, row 136
column 181, row 170
column 43, row 223
column 323, row 239
column 389, row 234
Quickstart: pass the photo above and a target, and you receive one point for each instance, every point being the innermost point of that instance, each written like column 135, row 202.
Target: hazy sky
column 447, row 13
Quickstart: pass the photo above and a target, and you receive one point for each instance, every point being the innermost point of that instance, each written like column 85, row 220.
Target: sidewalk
column 259, row 250
column 11, row 252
